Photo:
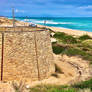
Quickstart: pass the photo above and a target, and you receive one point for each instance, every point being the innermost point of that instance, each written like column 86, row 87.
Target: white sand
column 69, row 31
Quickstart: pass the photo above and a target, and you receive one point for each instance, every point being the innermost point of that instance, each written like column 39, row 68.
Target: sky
column 47, row 8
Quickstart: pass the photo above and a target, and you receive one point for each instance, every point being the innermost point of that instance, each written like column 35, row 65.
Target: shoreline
column 68, row 31
column 8, row 22
column 73, row 32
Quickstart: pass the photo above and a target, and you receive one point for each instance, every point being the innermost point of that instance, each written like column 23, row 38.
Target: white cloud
column 19, row 11
column 86, row 7
column 16, row 11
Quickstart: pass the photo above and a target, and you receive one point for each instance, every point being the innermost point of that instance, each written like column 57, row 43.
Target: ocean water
column 84, row 24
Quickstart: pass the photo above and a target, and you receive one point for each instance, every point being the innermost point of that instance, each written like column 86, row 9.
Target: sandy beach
column 68, row 31
column 5, row 22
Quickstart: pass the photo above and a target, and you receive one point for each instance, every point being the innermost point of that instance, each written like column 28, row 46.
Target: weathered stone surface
column 0, row 52
column 6, row 87
column 27, row 56
column 44, row 51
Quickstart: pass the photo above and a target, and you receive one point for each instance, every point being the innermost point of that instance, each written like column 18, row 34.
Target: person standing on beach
column 45, row 22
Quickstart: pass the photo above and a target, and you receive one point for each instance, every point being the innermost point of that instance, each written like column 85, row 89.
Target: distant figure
column 26, row 20
column 45, row 22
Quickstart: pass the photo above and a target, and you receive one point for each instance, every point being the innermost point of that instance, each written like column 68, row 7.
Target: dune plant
column 19, row 87
column 85, row 84
column 84, row 37
column 57, row 49
column 52, row 88
column 65, row 38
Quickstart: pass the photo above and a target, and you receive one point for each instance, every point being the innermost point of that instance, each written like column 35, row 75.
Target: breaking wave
column 47, row 22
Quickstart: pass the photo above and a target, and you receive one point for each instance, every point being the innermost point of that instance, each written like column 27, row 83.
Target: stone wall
column 27, row 56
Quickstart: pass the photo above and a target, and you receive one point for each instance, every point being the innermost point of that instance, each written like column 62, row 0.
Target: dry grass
column 19, row 87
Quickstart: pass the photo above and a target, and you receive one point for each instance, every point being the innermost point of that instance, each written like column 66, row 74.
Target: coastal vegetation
column 85, row 86
column 73, row 46
column 84, row 37
column 64, row 38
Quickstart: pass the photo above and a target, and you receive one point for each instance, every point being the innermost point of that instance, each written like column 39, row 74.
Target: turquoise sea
column 77, row 23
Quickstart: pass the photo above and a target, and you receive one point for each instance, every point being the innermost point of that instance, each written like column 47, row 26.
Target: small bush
column 76, row 52
column 65, row 38
column 61, row 90
column 73, row 52
column 85, row 84
column 69, row 39
column 82, row 45
column 54, row 43
column 19, row 87
column 84, row 37
column 87, row 43
column 52, row 88
column 57, row 49
column 59, row 35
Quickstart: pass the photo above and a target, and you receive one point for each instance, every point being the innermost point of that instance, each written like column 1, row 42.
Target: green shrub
column 57, row 49
column 54, row 43
column 84, row 37
column 65, row 38
column 59, row 35
column 52, row 88
column 74, row 52
column 83, row 47
column 87, row 43
column 85, row 84
column 69, row 39
column 61, row 90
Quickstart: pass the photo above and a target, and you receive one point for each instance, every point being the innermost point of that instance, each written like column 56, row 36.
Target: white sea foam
column 61, row 23
column 36, row 21
column 33, row 20
column 47, row 22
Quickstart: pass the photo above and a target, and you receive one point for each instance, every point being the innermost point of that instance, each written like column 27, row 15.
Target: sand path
column 73, row 69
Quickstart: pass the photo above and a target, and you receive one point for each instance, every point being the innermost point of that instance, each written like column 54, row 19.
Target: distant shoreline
column 68, row 31
column 65, row 30
column 8, row 22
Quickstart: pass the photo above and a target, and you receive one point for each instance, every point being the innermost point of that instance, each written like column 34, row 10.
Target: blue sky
column 45, row 8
